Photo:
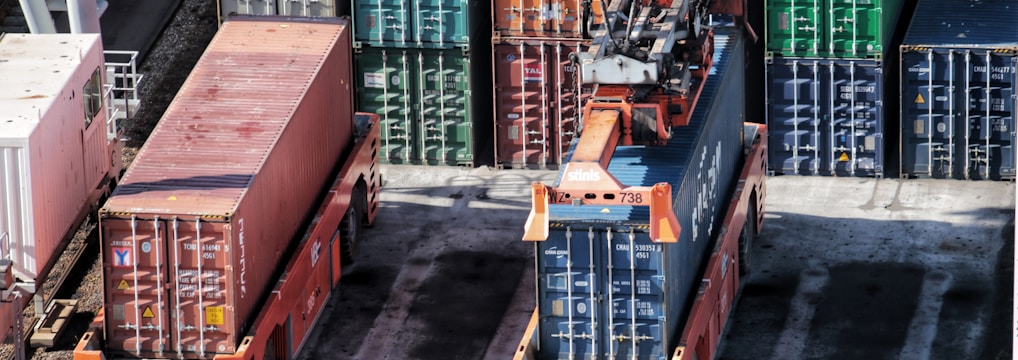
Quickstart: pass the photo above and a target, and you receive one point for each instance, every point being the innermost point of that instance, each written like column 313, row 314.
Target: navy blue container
column 604, row 288
column 825, row 116
column 958, row 84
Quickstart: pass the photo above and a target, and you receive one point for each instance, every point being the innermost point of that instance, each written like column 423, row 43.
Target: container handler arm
column 648, row 62
column 586, row 181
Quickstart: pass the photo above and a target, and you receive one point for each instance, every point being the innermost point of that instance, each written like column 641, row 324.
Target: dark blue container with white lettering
column 958, row 87
column 825, row 116
column 605, row 290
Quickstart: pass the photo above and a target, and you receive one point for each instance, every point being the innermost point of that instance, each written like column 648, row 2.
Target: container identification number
column 623, row 197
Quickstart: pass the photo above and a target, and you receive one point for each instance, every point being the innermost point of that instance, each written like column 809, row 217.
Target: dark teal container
column 426, row 98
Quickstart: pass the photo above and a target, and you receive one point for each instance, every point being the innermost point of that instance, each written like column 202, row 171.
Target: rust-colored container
column 564, row 19
column 538, row 100
column 193, row 236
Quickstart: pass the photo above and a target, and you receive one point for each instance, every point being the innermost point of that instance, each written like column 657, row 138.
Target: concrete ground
column 845, row 268
column 879, row 269
column 438, row 269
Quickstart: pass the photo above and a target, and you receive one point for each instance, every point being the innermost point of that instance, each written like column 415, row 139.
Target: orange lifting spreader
column 585, row 181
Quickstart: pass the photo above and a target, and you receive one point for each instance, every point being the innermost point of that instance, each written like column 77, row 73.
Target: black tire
column 351, row 227
column 747, row 237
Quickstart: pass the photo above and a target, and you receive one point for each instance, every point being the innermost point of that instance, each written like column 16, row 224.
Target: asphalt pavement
column 844, row 268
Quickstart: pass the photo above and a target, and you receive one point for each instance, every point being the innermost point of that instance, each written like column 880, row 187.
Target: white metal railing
column 120, row 91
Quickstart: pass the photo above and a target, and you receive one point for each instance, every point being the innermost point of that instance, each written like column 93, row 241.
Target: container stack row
column 826, row 85
column 958, row 87
column 538, row 99
column 421, row 65
column 318, row 8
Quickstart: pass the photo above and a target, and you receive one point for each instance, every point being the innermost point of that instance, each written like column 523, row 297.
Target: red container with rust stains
column 193, row 236
column 538, row 100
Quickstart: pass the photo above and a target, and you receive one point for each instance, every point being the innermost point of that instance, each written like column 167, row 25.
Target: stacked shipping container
column 958, row 87
column 825, row 83
column 419, row 65
column 538, row 99
column 318, row 8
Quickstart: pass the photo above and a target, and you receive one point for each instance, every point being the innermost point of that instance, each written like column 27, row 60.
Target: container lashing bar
column 585, row 181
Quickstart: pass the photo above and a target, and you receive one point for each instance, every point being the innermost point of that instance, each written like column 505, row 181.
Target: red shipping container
column 193, row 236
column 563, row 19
column 538, row 101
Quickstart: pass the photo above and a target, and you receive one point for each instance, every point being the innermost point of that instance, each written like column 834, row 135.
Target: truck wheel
column 351, row 226
column 747, row 237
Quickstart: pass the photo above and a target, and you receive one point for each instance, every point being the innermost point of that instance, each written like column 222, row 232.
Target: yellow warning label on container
column 844, row 157
column 123, row 285
column 919, row 99
column 214, row 315
column 148, row 313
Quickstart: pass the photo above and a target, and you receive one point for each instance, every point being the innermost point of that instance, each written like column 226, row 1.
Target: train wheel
column 351, row 226
column 747, row 237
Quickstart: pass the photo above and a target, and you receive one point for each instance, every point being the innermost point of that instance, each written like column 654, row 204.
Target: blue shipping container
column 825, row 116
column 958, row 86
column 605, row 290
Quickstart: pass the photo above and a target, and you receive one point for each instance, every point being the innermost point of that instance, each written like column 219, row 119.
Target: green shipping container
column 426, row 100
column 420, row 23
column 831, row 28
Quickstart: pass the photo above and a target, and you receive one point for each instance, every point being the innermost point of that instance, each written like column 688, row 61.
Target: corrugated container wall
column 427, row 102
column 831, row 28
column 538, row 101
column 560, row 19
column 605, row 290
column 317, row 8
column 193, row 235
column 825, row 116
column 958, row 87
column 54, row 148
column 419, row 23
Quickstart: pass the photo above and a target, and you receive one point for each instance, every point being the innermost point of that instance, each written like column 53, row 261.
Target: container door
column 566, row 18
column 795, row 115
column 928, row 113
column 316, row 8
column 508, row 17
column 523, row 117
column 793, row 27
column 601, row 295
column 443, row 22
column 570, row 294
column 445, row 110
column 855, row 29
column 203, row 321
column 383, row 80
column 531, row 19
column 989, row 129
column 856, row 119
column 135, row 262
column 248, row 7
column 634, row 314
column 383, row 22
